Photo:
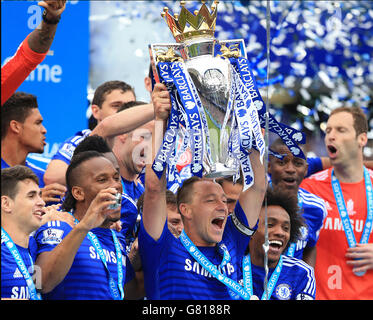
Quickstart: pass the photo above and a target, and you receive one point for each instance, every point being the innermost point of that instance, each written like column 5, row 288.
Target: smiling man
column 22, row 209
column 344, row 267
column 288, row 278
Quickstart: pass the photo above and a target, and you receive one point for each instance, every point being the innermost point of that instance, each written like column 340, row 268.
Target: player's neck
column 195, row 238
column 258, row 260
column 13, row 153
column 19, row 236
column 80, row 211
column 127, row 174
column 350, row 172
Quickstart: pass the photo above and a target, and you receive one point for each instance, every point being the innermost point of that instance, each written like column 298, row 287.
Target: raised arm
column 40, row 39
column 251, row 199
column 154, row 208
column 32, row 51
column 124, row 121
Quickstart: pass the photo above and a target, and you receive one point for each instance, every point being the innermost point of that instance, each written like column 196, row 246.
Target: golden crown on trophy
column 186, row 25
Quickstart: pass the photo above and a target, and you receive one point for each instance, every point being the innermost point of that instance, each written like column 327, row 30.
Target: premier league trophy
column 217, row 111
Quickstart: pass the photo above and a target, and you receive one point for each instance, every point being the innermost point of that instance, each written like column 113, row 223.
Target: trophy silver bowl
column 210, row 74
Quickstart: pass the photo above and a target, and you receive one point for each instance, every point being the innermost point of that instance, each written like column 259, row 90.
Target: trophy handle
column 163, row 52
column 152, row 63
column 231, row 48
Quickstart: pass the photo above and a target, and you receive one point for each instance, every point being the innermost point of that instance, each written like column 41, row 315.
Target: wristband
column 241, row 227
column 50, row 21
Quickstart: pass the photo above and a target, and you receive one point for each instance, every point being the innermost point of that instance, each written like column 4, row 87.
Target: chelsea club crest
column 283, row 291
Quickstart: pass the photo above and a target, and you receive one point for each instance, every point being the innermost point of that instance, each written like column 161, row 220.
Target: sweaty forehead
column 275, row 212
column 96, row 166
column 282, row 149
column 343, row 119
column 34, row 114
column 206, row 187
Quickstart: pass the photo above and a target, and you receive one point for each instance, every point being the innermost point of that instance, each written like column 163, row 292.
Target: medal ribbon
column 337, row 190
column 248, row 277
column 34, row 295
column 211, row 268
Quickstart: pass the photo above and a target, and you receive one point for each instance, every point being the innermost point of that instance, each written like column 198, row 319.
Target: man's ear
column 15, row 126
column 78, row 193
column 6, row 204
column 96, row 111
column 269, row 165
column 362, row 139
column 122, row 137
column 148, row 84
column 185, row 210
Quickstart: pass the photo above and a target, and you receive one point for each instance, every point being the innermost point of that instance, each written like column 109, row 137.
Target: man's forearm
column 40, row 40
column 124, row 121
column 56, row 264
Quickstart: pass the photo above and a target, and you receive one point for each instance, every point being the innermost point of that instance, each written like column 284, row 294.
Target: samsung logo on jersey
column 110, row 256
column 336, row 224
column 197, row 268
column 20, row 293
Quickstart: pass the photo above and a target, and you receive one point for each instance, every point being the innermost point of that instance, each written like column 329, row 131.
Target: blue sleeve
column 65, row 152
column 67, row 148
column 306, row 286
column 50, row 235
column 128, row 216
column 314, row 165
column 232, row 230
column 150, row 254
column 38, row 171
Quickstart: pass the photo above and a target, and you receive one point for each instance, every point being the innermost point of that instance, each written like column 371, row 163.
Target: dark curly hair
column 289, row 203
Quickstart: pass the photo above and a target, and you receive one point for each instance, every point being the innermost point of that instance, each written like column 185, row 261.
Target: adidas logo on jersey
column 350, row 207
column 17, row 274
column 320, row 176
column 328, row 206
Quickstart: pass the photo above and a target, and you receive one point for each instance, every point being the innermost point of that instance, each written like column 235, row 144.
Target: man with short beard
column 88, row 261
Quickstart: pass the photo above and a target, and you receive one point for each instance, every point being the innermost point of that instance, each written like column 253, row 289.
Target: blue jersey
column 38, row 171
column 296, row 281
column 13, row 284
column 314, row 165
column 170, row 272
column 87, row 278
column 130, row 195
column 67, row 148
column 314, row 213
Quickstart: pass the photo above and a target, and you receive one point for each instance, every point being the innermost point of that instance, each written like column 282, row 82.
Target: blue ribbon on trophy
column 215, row 101
column 290, row 136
